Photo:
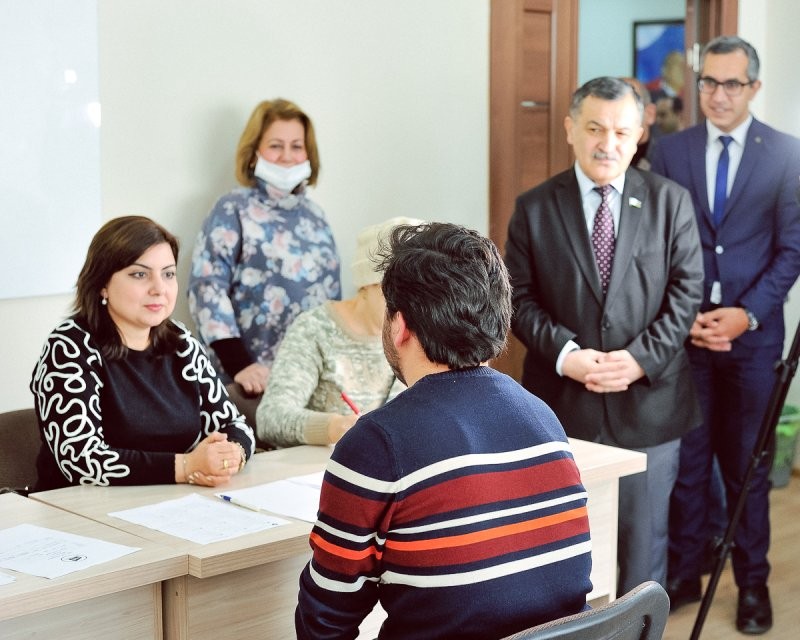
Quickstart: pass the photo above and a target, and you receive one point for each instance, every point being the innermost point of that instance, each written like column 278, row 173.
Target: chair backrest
column 247, row 406
column 641, row 614
column 19, row 446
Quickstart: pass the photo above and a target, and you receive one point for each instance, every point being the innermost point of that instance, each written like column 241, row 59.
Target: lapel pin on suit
column 635, row 202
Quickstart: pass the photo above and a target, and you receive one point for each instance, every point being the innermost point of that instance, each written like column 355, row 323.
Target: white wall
column 774, row 35
column 398, row 92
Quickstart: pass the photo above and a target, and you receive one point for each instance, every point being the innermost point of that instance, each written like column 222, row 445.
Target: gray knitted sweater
column 317, row 360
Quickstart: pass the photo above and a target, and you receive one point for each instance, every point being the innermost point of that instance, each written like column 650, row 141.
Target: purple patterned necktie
column 603, row 237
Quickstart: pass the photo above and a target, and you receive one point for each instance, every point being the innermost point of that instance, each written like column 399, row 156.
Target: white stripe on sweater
column 443, row 466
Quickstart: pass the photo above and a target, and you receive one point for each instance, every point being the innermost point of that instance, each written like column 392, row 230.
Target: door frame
column 504, row 154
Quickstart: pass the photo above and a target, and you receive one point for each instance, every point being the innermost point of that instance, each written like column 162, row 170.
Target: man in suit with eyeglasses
column 743, row 176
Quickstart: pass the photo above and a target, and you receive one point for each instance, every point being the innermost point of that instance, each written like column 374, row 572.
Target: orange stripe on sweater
column 343, row 552
column 488, row 534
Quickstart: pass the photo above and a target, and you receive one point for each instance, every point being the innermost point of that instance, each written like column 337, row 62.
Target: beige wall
column 398, row 92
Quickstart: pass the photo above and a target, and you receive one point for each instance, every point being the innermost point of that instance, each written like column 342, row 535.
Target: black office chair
column 19, row 446
column 641, row 614
column 247, row 406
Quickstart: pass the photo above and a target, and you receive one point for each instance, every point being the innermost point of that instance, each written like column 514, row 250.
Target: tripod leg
column 785, row 370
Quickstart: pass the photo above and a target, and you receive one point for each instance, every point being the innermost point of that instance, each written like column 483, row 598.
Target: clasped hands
column 716, row 330
column 602, row 372
column 212, row 463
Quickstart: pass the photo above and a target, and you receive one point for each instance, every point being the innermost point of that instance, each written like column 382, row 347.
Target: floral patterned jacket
column 261, row 258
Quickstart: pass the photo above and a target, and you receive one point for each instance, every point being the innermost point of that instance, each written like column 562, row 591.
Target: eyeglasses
column 732, row 87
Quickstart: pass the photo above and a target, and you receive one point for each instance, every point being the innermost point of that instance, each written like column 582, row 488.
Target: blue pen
column 238, row 503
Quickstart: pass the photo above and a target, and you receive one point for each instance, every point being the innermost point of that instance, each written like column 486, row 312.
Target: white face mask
column 283, row 178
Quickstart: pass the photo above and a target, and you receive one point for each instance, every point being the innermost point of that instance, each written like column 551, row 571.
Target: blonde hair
column 262, row 117
column 368, row 242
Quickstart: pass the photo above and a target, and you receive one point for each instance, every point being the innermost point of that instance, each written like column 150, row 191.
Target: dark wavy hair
column 604, row 88
column 118, row 244
column 452, row 288
column 728, row 44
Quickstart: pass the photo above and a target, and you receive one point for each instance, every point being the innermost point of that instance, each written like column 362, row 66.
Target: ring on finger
column 225, row 463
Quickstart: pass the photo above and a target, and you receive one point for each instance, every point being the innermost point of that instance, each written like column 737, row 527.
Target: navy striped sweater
column 459, row 506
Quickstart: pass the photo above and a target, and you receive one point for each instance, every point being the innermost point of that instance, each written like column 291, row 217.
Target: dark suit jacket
column 755, row 252
column 653, row 297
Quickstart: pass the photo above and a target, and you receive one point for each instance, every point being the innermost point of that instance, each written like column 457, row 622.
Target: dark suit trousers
column 734, row 389
column 643, row 536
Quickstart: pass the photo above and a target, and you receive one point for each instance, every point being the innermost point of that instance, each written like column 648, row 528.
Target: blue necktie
column 721, row 184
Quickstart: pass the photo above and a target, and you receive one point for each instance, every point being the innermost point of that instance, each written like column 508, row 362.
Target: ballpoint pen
column 238, row 503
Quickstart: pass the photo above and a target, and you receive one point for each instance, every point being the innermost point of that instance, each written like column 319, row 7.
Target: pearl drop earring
column 104, row 301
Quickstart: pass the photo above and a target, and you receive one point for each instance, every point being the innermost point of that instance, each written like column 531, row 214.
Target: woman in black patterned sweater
column 124, row 394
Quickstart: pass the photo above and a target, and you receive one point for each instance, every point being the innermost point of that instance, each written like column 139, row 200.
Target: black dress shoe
column 754, row 613
column 682, row 591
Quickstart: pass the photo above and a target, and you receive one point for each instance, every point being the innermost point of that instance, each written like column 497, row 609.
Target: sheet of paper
column 312, row 479
column 296, row 497
column 198, row 519
column 49, row 553
column 6, row 579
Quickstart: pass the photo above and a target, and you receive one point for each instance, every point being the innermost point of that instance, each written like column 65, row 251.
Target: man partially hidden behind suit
column 749, row 224
column 612, row 364
column 647, row 143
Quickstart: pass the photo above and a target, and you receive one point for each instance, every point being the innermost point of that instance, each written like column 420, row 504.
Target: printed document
column 49, row 553
column 198, row 519
column 296, row 497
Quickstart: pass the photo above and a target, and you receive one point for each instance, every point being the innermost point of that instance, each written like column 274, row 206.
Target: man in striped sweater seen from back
column 458, row 504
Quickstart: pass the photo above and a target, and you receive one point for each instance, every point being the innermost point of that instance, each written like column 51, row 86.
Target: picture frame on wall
column 659, row 56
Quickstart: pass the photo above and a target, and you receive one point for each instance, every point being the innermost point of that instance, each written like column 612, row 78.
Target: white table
column 117, row 599
column 247, row 587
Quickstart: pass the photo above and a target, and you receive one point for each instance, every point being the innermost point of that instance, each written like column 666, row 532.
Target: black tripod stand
column 785, row 372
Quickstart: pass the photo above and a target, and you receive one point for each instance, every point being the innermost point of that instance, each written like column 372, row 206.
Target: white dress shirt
column 591, row 200
column 713, row 152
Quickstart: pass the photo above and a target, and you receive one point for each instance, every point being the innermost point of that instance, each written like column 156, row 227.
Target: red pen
column 350, row 403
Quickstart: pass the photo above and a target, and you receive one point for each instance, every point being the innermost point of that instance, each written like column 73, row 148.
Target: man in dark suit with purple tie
column 742, row 175
column 607, row 279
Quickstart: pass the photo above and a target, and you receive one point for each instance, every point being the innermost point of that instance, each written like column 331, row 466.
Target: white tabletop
column 30, row 594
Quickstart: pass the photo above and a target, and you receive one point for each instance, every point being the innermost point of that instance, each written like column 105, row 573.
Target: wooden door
column 705, row 20
column 533, row 72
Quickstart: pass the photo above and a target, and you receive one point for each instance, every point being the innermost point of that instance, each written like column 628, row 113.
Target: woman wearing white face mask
column 265, row 252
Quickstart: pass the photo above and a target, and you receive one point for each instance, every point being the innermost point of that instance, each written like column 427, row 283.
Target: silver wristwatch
column 752, row 321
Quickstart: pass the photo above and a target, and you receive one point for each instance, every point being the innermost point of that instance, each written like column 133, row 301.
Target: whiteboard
column 50, row 203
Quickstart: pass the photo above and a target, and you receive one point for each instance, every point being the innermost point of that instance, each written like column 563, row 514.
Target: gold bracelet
column 243, row 459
